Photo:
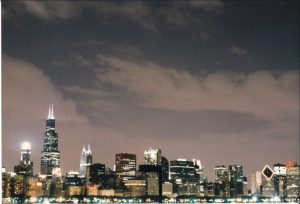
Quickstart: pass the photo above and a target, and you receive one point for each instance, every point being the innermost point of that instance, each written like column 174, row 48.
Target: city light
column 25, row 146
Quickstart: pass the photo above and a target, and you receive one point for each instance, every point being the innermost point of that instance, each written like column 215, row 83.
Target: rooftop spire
column 89, row 149
column 50, row 114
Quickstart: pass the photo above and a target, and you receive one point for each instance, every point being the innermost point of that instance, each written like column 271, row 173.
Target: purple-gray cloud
column 260, row 93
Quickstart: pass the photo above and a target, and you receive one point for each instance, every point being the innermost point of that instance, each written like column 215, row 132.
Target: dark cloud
column 238, row 51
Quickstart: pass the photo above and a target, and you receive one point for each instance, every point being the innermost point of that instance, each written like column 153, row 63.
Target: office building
column 125, row 166
column 135, row 188
column 97, row 174
column 35, row 187
column 280, row 180
column 256, row 182
column 267, row 182
column 86, row 159
column 153, row 176
column 165, row 169
column 221, row 181
column 152, row 156
column 167, row 189
column 6, row 184
column 183, row 176
column 236, row 180
column 182, row 170
column 73, row 184
column 292, row 180
column 199, row 170
column 18, row 186
column 50, row 155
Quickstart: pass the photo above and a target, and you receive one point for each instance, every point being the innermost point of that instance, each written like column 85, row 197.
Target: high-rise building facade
column 182, row 170
column 184, row 178
column 256, row 182
column 50, row 155
column 25, row 167
column 165, row 169
column 152, row 156
column 267, row 182
column 6, row 184
column 292, row 180
column 125, row 165
column 199, row 170
column 280, row 180
column 221, row 181
column 236, row 180
column 97, row 174
column 86, row 159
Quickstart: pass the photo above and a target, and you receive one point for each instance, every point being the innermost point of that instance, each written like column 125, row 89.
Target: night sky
column 212, row 80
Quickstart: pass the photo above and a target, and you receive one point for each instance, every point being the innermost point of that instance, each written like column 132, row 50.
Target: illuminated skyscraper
column 50, row 157
column 280, row 180
column 125, row 165
column 199, row 170
column 152, row 156
column 221, row 181
column 267, row 182
column 182, row 170
column 25, row 166
column 236, row 180
column 292, row 180
column 220, row 174
column 86, row 159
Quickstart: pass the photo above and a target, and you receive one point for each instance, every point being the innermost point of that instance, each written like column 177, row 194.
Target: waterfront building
column 73, row 184
column 167, row 189
column 135, row 188
column 6, row 184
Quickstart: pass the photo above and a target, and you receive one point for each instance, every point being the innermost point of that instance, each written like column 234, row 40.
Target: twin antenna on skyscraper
column 50, row 114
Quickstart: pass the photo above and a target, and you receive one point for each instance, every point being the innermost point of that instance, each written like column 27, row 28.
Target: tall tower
column 50, row 155
column 86, row 159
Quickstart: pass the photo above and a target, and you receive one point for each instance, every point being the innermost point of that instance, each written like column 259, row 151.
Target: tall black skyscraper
column 97, row 174
column 50, row 157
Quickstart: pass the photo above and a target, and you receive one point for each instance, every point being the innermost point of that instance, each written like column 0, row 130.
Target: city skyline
column 215, row 81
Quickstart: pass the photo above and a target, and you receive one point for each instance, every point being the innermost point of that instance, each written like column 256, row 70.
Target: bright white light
column 25, row 146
